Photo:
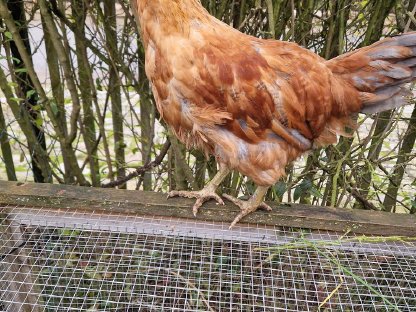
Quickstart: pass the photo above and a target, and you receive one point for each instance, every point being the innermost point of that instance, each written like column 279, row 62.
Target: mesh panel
column 90, row 262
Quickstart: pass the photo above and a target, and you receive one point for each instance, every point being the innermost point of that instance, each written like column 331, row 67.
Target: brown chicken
column 256, row 104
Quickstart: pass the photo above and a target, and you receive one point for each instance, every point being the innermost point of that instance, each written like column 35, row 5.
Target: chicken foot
column 255, row 202
column 207, row 193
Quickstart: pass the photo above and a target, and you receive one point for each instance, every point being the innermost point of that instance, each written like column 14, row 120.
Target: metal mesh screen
column 71, row 260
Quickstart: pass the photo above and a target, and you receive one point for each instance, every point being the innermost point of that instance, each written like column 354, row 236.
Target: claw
column 266, row 207
column 238, row 218
column 196, row 206
column 218, row 199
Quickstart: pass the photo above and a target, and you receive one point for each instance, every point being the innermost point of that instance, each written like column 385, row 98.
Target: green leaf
column 298, row 192
column 280, row 188
column 8, row 35
column 15, row 99
column 54, row 107
column 71, row 232
column 30, row 93
column 11, row 84
column 302, row 188
column 315, row 192
column 21, row 70
column 251, row 187
column 36, row 107
column 39, row 122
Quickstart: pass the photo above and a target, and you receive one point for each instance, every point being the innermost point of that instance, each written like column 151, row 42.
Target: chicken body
column 256, row 104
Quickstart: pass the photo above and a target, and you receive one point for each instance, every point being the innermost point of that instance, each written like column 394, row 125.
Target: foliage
column 77, row 107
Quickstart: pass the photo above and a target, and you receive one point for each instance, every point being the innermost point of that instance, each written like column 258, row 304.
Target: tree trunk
column 147, row 120
column 26, row 90
column 25, row 124
column 57, row 86
column 335, row 28
column 380, row 10
column 110, row 26
column 66, row 139
column 6, row 149
column 363, row 176
column 79, row 12
column 303, row 25
column 147, row 114
column 396, row 178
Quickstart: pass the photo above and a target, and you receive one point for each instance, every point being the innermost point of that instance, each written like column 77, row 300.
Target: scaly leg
column 255, row 202
column 208, row 192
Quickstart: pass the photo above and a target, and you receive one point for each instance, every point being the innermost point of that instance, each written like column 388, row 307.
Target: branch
column 141, row 170
column 366, row 204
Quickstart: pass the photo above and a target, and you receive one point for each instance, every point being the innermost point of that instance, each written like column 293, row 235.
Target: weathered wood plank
column 155, row 204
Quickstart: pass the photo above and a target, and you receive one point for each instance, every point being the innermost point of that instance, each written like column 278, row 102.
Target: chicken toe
column 201, row 197
column 255, row 202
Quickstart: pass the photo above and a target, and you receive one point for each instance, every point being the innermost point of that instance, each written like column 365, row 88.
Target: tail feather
column 381, row 95
column 405, row 40
column 411, row 62
column 378, row 73
column 395, row 101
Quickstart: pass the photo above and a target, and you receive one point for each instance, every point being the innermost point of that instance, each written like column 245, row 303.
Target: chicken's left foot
column 201, row 197
column 208, row 192
column 255, row 202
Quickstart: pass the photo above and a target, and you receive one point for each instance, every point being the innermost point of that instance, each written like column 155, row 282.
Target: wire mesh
column 94, row 262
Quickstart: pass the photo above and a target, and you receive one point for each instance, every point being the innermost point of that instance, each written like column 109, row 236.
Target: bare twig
column 293, row 19
column 366, row 204
column 141, row 169
column 411, row 16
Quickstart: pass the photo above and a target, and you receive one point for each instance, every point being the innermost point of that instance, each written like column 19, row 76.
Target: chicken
column 255, row 104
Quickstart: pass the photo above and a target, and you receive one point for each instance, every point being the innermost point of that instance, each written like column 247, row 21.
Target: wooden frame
column 54, row 196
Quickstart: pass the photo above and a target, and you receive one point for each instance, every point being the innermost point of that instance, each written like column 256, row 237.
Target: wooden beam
column 103, row 201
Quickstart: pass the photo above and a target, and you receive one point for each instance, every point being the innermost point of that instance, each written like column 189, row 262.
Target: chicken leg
column 255, row 202
column 208, row 192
